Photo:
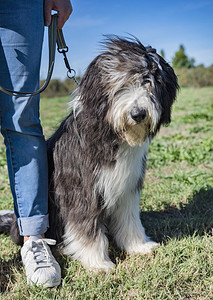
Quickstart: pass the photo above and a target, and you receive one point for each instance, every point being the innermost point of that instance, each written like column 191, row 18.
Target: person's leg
column 21, row 37
column 27, row 165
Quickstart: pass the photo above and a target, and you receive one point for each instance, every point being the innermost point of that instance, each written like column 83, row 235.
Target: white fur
column 93, row 256
column 126, row 226
column 118, row 185
column 5, row 212
column 117, row 80
column 115, row 182
column 75, row 104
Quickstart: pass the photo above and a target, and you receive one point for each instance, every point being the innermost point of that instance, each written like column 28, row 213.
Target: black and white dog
column 97, row 157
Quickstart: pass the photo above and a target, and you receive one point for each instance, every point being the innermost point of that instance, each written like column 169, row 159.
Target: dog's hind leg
column 126, row 227
column 91, row 251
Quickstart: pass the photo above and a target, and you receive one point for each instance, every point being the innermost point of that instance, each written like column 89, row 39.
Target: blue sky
column 162, row 24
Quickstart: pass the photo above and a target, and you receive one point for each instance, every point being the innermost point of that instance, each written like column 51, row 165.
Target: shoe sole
column 45, row 285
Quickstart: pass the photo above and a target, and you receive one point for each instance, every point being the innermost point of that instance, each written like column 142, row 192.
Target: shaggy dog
column 97, row 157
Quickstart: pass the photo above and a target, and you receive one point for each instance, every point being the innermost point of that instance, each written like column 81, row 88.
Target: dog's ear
column 167, row 90
column 94, row 97
column 93, row 127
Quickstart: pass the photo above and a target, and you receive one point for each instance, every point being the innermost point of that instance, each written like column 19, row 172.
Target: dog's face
column 138, row 86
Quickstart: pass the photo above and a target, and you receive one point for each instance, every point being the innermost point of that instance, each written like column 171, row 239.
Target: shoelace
column 41, row 253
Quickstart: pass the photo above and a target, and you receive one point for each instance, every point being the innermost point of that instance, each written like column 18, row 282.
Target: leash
column 55, row 36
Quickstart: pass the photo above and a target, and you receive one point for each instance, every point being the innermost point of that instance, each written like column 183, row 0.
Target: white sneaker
column 40, row 265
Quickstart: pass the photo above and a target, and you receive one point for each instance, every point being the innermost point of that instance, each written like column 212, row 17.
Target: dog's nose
column 138, row 114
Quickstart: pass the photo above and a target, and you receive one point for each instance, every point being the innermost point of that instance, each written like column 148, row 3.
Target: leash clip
column 73, row 77
column 71, row 73
column 62, row 48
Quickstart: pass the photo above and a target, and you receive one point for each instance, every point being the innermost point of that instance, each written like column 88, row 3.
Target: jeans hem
column 33, row 225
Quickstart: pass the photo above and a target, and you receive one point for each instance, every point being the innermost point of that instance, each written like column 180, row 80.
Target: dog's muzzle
column 138, row 114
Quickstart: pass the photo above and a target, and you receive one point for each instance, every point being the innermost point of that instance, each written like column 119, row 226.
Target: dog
column 97, row 156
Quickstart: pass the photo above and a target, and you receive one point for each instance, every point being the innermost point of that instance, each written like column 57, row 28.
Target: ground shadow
column 7, row 272
column 172, row 222
column 192, row 218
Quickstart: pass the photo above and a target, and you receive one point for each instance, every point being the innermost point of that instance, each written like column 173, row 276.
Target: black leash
column 55, row 36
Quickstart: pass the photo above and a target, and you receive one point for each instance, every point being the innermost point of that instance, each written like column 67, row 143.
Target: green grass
column 177, row 211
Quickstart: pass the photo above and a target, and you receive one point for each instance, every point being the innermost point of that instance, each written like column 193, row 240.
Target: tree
column 162, row 53
column 181, row 60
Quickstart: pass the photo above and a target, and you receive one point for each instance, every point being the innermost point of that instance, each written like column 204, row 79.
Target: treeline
column 189, row 75
column 195, row 77
column 59, row 88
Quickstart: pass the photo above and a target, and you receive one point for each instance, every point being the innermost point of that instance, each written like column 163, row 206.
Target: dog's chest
column 122, row 179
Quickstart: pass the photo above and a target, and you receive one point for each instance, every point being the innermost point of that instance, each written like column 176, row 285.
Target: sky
column 163, row 24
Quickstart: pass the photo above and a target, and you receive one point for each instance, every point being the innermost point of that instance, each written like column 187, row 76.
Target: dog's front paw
column 102, row 267
column 143, row 248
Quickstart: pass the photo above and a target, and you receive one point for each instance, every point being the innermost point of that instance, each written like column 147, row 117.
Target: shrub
column 58, row 88
column 195, row 77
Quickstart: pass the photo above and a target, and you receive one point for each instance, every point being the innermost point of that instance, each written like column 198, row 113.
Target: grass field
column 177, row 212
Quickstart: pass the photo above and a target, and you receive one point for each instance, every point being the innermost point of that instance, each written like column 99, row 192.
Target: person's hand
column 63, row 7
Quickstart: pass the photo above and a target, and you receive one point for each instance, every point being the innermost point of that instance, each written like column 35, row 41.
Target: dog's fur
column 97, row 157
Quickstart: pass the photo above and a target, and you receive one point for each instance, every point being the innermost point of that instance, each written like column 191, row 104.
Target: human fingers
column 63, row 16
column 47, row 13
column 63, row 7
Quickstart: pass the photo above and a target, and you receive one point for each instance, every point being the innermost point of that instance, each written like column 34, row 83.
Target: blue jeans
column 21, row 38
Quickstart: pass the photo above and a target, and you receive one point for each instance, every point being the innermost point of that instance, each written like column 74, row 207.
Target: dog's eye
column 145, row 80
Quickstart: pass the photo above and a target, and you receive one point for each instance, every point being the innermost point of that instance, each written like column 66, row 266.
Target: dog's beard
column 135, row 135
column 119, row 116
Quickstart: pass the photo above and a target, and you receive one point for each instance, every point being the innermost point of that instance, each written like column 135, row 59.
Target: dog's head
column 131, row 87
